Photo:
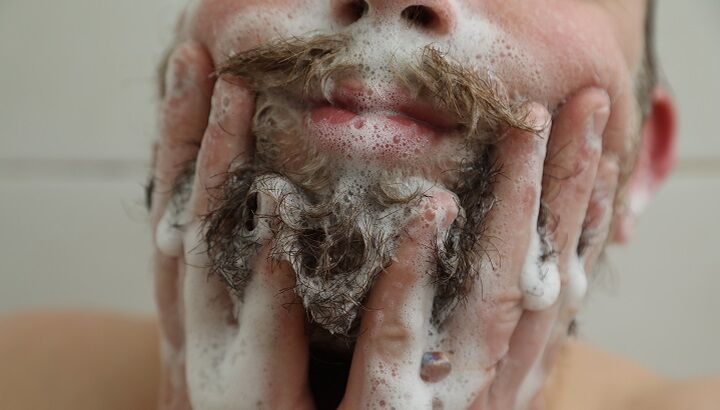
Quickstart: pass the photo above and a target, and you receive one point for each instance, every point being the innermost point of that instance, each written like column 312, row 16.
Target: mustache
column 337, row 255
column 478, row 101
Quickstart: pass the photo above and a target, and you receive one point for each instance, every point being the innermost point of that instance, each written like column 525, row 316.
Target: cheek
column 571, row 45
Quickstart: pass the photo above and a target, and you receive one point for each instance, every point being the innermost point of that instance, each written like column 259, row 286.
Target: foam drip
column 577, row 283
column 208, row 337
column 170, row 230
column 171, row 227
column 540, row 280
column 228, row 342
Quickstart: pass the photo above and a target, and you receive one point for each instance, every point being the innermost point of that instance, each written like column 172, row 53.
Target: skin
column 587, row 55
column 590, row 124
column 114, row 361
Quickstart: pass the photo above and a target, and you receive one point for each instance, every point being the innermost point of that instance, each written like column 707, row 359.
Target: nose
column 431, row 16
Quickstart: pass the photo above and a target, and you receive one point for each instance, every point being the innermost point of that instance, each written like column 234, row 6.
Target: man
column 414, row 190
column 396, row 204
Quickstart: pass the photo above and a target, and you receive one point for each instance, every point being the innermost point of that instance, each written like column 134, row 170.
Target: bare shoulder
column 589, row 378
column 78, row 360
column 85, row 360
column 698, row 394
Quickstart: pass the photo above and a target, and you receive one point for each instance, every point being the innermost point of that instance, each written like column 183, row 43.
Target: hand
column 228, row 351
column 492, row 343
column 496, row 350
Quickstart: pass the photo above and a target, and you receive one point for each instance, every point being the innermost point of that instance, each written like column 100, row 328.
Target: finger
column 183, row 118
column 183, row 115
column 249, row 349
column 212, row 311
column 596, row 227
column 387, row 357
column 272, row 324
column 168, row 290
column 570, row 171
column 227, row 142
column 495, row 303
column 209, row 323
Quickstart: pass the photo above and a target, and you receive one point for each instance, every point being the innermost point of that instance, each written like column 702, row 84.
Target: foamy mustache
column 337, row 223
column 309, row 66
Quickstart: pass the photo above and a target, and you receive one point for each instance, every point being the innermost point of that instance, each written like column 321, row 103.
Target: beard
column 337, row 220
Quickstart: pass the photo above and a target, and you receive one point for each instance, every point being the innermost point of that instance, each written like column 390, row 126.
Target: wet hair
column 647, row 78
column 475, row 99
column 338, row 247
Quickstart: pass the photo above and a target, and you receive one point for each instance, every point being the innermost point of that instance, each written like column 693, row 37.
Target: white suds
column 213, row 352
column 540, row 281
column 169, row 231
column 577, row 284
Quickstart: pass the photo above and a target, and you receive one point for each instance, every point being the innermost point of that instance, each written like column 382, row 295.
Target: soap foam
column 169, row 232
column 208, row 338
column 381, row 38
column 540, row 280
column 477, row 41
column 171, row 227
column 226, row 355
column 577, row 284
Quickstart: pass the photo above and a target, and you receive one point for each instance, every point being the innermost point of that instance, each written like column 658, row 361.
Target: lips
column 387, row 126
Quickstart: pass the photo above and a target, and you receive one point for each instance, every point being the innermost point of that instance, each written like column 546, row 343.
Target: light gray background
column 76, row 121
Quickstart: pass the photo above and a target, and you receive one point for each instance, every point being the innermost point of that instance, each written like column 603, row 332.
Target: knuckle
column 392, row 338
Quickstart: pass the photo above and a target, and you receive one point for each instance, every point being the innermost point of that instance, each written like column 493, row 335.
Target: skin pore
column 574, row 67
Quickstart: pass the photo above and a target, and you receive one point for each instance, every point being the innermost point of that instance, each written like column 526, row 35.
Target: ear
column 655, row 161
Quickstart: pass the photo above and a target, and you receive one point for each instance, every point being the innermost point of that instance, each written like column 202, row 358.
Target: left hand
column 499, row 348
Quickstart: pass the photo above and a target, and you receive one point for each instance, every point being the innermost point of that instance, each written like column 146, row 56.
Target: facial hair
column 337, row 223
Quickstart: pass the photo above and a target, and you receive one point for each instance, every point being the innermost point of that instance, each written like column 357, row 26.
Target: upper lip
column 353, row 95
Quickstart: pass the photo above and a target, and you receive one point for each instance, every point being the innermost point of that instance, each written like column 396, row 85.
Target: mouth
column 386, row 126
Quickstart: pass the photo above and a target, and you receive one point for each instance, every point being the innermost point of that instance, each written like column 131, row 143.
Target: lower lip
column 370, row 136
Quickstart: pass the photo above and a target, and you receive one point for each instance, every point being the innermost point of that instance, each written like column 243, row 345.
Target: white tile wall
column 76, row 117
column 657, row 300
column 74, row 243
column 77, row 76
column 689, row 48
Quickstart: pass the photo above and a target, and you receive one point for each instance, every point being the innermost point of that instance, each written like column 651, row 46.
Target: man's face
column 543, row 51
column 375, row 121
column 358, row 98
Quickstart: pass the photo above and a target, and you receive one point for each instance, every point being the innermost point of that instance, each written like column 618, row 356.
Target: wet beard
column 337, row 223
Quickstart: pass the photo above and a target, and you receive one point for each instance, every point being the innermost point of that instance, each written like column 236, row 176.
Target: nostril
column 352, row 11
column 425, row 18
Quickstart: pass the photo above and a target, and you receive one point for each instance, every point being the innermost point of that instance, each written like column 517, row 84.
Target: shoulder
column 698, row 394
column 78, row 360
column 588, row 377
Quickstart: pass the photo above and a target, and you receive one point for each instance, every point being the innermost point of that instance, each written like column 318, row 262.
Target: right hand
column 217, row 350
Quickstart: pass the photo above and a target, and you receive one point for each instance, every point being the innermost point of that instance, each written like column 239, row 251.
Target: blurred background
column 77, row 119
